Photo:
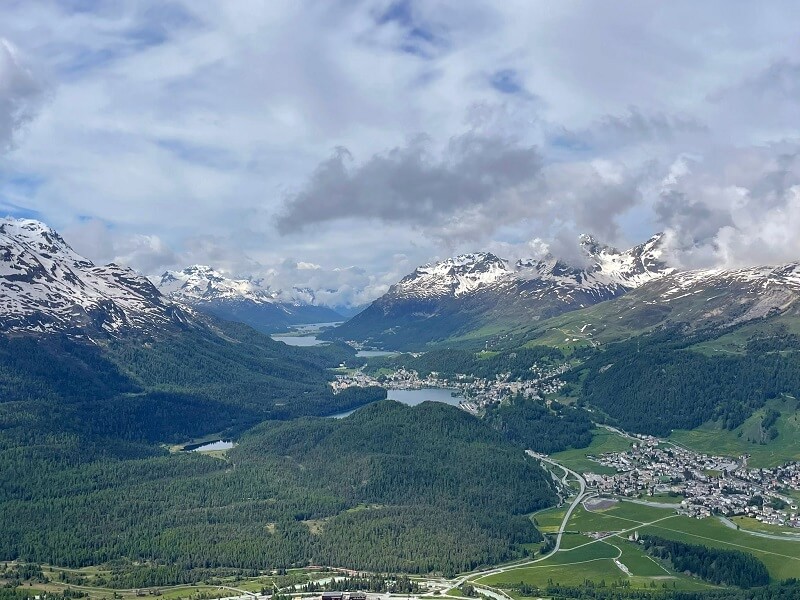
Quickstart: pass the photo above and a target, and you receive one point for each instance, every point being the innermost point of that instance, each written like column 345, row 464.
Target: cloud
column 611, row 133
column 411, row 184
column 189, row 130
column 766, row 99
column 20, row 93
column 145, row 253
column 477, row 185
column 735, row 209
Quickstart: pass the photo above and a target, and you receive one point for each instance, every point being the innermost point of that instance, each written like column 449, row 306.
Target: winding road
column 578, row 499
column 582, row 495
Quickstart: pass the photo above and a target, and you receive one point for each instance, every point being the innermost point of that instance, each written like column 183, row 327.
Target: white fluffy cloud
column 183, row 131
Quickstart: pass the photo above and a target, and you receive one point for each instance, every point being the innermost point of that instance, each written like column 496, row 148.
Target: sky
column 336, row 144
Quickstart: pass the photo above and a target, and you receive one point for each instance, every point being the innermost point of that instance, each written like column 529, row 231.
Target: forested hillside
column 390, row 488
column 167, row 388
column 657, row 383
column 533, row 425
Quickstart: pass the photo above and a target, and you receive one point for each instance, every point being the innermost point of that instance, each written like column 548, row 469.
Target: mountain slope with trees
column 390, row 488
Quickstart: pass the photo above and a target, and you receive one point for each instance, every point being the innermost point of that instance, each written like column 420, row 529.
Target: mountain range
column 45, row 286
column 613, row 294
column 99, row 350
column 248, row 301
column 472, row 294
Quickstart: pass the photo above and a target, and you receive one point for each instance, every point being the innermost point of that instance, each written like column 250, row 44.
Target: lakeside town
column 709, row 485
column 477, row 393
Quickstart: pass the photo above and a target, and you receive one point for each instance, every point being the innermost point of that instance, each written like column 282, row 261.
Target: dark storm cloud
column 412, row 184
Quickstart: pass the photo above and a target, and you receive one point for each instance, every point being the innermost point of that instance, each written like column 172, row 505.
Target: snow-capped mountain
column 606, row 269
column 45, row 286
column 697, row 299
column 461, row 294
column 246, row 300
column 202, row 283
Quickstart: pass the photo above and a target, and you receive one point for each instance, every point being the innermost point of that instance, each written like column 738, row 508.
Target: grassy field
column 584, row 521
column 746, row 439
column 185, row 591
column 571, row 540
column 603, row 441
column 749, row 524
column 664, row 499
column 639, row 563
column 610, row 559
column 782, row 557
column 548, row 521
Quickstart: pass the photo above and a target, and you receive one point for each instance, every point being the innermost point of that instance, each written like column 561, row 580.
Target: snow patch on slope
column 46, row 286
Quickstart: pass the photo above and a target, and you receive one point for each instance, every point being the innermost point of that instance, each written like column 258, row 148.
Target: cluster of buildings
column 708, row 484
column 401, row 379
column 478, row 393
column 356, row 379
column 344, row 596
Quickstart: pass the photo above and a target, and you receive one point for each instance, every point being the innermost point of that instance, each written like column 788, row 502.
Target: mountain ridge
column 45, row 286
column 244, row 300
column 459, row 294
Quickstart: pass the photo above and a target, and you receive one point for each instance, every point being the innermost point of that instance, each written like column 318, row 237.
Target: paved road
column 578, row 499
column 582, row 495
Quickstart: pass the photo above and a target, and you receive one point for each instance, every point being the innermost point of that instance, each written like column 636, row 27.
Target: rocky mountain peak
column 45, row 286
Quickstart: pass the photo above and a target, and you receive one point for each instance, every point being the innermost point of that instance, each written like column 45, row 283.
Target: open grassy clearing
column 639, row 563
column 167, row 593
column 571, row 540
column 748, row 437
column 571, row 574
column 588, row 550
column 595, row 561
column 603, row 441
column 639, row 512
column 663, row 498
column 583, row 520
column 549, row 520
column 782, row 558
column 223, row 587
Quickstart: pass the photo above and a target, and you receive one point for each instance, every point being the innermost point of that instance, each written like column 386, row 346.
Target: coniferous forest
column 728, row 567
column 391, row 488
column 658, row 383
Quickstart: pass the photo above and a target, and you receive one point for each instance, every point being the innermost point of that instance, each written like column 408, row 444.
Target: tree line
column 728, row 567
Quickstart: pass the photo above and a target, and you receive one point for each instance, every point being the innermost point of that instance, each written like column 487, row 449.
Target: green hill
column 390, row 488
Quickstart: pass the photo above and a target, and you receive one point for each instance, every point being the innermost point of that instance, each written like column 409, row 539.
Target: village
column 477, row 393
column 709, row 485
